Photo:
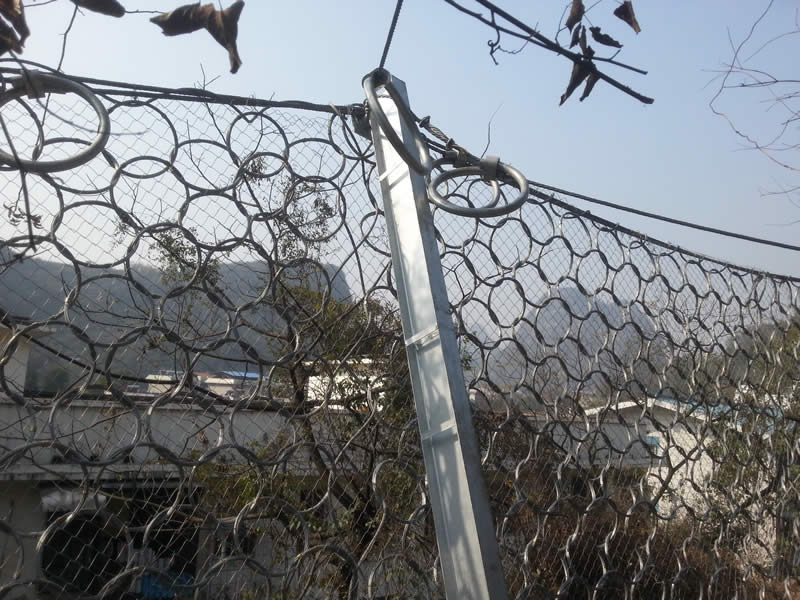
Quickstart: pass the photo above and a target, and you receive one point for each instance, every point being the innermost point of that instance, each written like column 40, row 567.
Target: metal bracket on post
column 465, row 531
column 361, row 125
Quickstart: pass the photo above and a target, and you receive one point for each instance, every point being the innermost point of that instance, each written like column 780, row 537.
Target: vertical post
column 465, row 533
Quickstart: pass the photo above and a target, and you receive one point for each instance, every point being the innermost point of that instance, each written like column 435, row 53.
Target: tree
column 755, row 76
column 369, row 411
column 756, row 452
column 332, row 370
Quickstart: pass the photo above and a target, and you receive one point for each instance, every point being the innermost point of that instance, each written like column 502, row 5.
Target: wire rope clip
column 489, row 166
column 32, row 88
column 361, row 124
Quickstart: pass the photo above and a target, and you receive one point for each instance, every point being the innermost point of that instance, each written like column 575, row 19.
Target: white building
column 73, row 469
column 126, row 451
column 667, row 438
column 357, row 382
column 82, row 476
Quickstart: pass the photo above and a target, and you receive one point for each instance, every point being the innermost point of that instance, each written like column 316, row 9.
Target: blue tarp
column 159, row 587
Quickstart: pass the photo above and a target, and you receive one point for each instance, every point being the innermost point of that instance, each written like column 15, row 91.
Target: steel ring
column 382, row 78
column 491, row 209
column 45, row 83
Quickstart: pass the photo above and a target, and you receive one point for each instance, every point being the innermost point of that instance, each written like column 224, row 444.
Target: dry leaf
column 184, row 19
column 604, row 38
column 576, row 37
column 8, row 39
column 14, row 12
column 590, row 81
column 625, row 12
column 10, row 7
column 586, row 49
column 580, row 70
column 575, row 14
column 112, row 8
column 222, row 25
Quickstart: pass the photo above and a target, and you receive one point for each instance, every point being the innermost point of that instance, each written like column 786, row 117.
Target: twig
column 489, row 130
column 534, row 37
column 554, row 47
column 65, row 35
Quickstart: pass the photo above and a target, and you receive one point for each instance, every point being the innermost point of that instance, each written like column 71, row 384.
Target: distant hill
column 109, row 307
column 578, row 336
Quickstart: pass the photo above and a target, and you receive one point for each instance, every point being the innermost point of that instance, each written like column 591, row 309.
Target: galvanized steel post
column 465, row 530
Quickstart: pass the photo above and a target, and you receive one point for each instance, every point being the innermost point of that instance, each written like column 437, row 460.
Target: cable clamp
column 489, row 166
column 28, row 82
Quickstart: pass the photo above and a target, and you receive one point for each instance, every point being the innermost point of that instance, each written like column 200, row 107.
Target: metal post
column 465, row 530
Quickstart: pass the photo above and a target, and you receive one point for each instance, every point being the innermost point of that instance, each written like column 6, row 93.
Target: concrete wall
column 100, row 428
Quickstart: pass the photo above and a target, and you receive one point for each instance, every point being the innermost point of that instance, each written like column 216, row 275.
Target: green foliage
column 756, row 453
column 299, row 211
column 179, row 259
column 352, row 348
column 586, row 518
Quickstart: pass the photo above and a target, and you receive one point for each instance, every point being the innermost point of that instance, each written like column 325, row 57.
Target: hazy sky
column 674, row 157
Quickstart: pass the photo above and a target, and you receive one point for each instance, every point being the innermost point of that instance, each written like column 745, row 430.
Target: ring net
column 204, row 389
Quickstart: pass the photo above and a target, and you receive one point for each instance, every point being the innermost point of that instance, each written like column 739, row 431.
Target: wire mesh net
column 204, row 389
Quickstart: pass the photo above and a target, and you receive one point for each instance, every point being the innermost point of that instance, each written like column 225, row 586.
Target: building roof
column 664, row 403
column 239, row 374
